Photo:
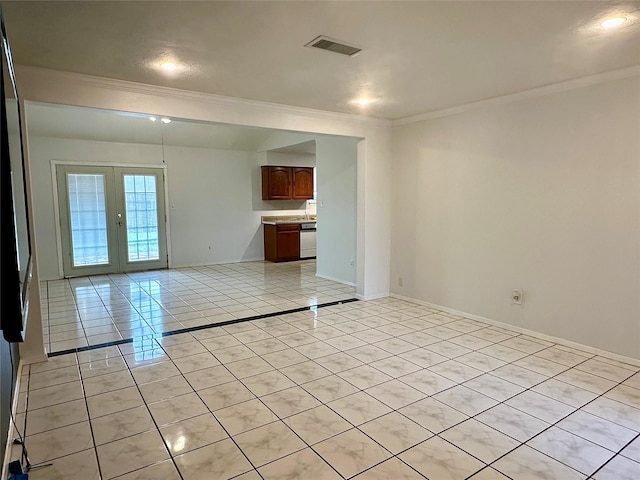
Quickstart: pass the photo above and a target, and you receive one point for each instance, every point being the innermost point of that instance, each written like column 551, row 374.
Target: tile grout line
column 155, row 423
column 86, row 404
column 558, row 421
column 209, row 409
column 500, row 402
column 462, row 384
column 552, row 424
column 486, row 465
column 393, row 410
column 279, row 419
column 188, row 285
column 356, row 427
column 482, row 373
column 615, row 456
column 197, row 328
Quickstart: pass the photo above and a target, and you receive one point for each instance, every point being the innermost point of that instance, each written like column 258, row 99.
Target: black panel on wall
column 8, row 369
column 15, row 250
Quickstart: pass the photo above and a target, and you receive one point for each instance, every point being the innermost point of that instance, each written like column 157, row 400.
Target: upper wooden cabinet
column 287, row 183
column 302, row 183
column 277, row 183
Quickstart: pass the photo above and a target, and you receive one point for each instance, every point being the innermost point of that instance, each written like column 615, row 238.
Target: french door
column 112, row 219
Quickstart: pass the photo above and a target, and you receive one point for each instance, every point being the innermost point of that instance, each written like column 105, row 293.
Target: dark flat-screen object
column 15, row 258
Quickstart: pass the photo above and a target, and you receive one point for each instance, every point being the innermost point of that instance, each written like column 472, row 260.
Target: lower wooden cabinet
column 281, row 242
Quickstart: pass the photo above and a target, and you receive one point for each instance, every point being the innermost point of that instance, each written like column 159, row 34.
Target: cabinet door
column 288, row 240
column 270, row 243
column 276, row 183
column 302, row 183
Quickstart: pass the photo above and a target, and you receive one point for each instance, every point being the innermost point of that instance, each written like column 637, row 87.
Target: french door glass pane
column 141, row 207
column 87, row 209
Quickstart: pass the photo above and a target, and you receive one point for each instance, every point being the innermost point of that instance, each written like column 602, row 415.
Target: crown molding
column 524, row 95
column 188, row 95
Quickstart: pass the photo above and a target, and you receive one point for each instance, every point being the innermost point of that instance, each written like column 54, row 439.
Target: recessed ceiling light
column 362, row 101
column 153, row 119
column 614, row 22
column 165, row 120
column 169, row 66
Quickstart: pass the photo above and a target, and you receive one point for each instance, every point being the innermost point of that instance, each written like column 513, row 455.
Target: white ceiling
column 107, row 126
column 417, row 56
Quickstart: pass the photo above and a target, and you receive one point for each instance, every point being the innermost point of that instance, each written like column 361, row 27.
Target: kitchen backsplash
column 308, row 207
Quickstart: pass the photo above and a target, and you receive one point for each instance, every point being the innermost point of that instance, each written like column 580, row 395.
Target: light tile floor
column 382, row 389
column 94, row 310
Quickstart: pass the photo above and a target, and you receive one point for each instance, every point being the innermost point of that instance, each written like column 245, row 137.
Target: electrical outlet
column 517, row 297
column 352, row 263
column 399, row 281
column 210, row 247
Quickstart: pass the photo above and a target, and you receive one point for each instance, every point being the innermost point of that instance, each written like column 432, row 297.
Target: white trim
column 531, row 333
column 375, row 296
column 56, row 218
column 14, row 408
column 40, row 358
column 524, row 95
column 110, row 164
column 208, row 98
column 167, row 214
column 219, row 262
column 335, row 279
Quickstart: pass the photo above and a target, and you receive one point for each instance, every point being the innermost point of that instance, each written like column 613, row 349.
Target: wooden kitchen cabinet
column 287, row 183
column 282, row 242
column 302, row 183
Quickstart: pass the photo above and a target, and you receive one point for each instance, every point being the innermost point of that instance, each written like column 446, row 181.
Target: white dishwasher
column 307, row 240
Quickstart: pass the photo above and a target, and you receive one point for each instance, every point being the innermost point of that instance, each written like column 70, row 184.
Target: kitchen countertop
column 288, row 219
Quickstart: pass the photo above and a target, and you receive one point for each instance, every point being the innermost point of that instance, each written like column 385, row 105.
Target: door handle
column 120, row 223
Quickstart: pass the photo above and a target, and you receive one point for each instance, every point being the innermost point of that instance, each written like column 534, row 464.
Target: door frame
column 56, row 204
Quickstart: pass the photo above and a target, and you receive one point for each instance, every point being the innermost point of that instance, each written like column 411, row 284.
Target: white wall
column 289, row 159
column 216, row 200
column 541, row 194
column 337, row 208
column 32, row 349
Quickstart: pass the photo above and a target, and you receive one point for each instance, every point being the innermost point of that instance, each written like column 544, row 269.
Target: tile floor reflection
column 383, row 389
column 94, row 310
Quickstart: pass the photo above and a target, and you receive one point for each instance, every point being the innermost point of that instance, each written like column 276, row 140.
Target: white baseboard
column 34, row 359
column 14, row 408
column 374, row 296
column 334, row 279
column 531, row 333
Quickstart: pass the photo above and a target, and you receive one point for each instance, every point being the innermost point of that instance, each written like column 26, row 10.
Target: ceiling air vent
column 326, row 43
